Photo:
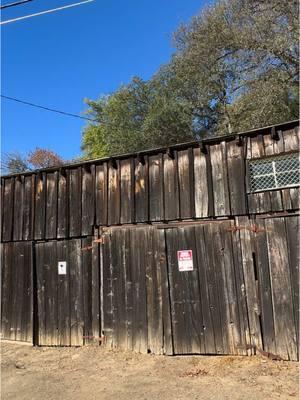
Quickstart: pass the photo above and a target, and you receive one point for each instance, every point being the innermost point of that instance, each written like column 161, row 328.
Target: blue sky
column 59, row 59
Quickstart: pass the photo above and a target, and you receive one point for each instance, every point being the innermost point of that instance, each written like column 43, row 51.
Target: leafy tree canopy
column 236, row 67
column 14, row 163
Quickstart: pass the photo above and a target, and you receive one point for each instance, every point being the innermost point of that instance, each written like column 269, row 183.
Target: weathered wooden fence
column 117, row 226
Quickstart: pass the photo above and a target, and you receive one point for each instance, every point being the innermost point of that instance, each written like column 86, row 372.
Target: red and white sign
column 185, row 260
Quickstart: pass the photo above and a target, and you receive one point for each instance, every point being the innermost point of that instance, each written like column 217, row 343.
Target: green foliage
column 236, row 67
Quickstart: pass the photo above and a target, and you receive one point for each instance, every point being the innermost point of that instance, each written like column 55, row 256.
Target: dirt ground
column 91, row 373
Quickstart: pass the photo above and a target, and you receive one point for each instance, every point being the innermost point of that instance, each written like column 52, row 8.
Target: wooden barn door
column 67, row 292
column 135, row 296
column 16, row 291
column 208, row 306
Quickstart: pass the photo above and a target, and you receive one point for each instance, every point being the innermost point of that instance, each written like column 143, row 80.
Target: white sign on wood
column 62, row 267
column 185, row 260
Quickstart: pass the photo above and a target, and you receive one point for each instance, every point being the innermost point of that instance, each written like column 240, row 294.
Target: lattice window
column 274, row 172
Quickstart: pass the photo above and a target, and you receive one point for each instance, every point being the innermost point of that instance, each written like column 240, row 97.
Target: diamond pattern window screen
column 274, row 172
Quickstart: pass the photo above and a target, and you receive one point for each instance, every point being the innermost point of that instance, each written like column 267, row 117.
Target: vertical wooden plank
column 154, row 296
column 262, row 261
column 292, row 229
column 141, row 190
column 62, row 205
column 28, row 207
column 276, row 200
column 127, row 191
column 88, row 200
column 156, row 201
column 241, row 295
column 186, row 184
column 101, row 194
column 284, row 323
column 76, row 311
column 202, row 184
column 220, row 179
column 19, row 304
column 88, row 291
column 138, row 256
column 75, row 206
column 50, row 293
column 95, row 279
column 107, row 291
column 236, row 177
column 40, row 255
column 171, row 194
column 8, row 209
column 7, row 280
column 113, row 194
column 250, row 281
column 291, row 139
column 51, row 205
column 63, row 298
column 207, row 306
column 128, row 286
column 272, row 146
column 40, row 206
column 165, row 294
column 27, row 295
column 18, row 208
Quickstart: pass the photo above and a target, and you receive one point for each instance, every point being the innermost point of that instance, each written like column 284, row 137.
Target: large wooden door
column 17, row 291
column 67, row 300
column 208, row 305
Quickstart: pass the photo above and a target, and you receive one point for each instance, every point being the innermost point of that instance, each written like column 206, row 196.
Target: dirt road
column 93, row 373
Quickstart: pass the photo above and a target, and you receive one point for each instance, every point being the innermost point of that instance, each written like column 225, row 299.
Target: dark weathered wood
column 88, row 200
column 220, row 179
column 40, row 206
column 18, row 208
column 62, row 206
column 40, row 253
column 284, row 322
column 107, row 291
column 291, row 139
column 156, row 201
column 88, row 291
column 114, row 194
column 250, row 281
column 265, row 290
column 139, row 318
column 95, row 290
column 8, row 201
column 186, row 187
column 292, row 230
column 127, row 190
column 75, row 205
column 202, row 262
column 171, row 194
column 28, row 207
column 76, row 303
column 154, row 296
column 63, row 296
column 51, row 206
column 202, row 184
column 101, row 183
column 165, row 294
column 141, row 190
column 236, row 177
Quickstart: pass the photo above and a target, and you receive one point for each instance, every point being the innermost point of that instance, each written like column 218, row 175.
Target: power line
column 45, row 12
column 17, row 3
column 47, row 108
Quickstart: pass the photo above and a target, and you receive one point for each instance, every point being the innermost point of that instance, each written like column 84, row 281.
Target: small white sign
column 185, row 260
column 62, row 267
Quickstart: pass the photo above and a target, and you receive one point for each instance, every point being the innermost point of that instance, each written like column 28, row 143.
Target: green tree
column 236, row 67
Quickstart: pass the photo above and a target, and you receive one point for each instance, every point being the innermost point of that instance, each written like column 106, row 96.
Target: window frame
column 273, row 174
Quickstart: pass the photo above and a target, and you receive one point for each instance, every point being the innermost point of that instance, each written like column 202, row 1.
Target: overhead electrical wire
column 8, row 21
column 16, row 3
column 47, row 108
